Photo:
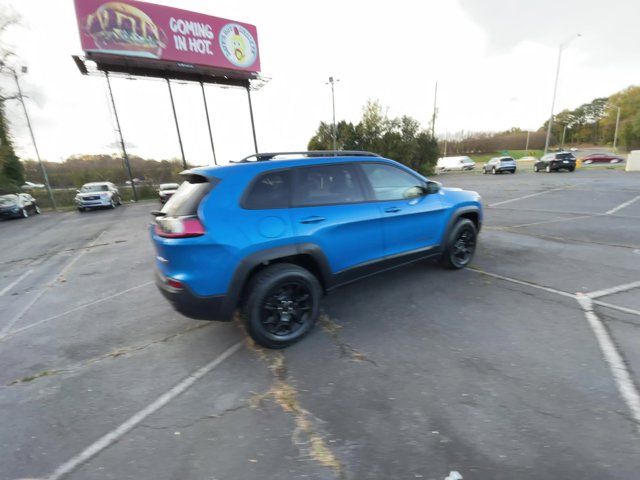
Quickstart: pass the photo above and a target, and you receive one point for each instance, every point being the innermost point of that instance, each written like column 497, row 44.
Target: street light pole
column 555, row 89
column 526, row 148
column 564, row 134
column 334, row 131
column 435, row 109
column 33, row 138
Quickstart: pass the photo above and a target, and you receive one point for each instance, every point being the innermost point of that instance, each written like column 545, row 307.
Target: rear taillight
column 172, row 227
column 173, row 283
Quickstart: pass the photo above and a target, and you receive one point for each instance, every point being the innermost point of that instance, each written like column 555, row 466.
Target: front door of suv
column 412, row 221
column 329, row 209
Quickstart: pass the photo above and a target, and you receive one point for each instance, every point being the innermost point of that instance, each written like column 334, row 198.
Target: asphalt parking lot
column 496, row 372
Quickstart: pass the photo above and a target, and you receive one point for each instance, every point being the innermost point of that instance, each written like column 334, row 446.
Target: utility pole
column 124, row 150
column 615, row 134
column 555, row 89
column 33, row 138
column 334, row 131
column 435, row 109
column 526, row 148
column 564, row 134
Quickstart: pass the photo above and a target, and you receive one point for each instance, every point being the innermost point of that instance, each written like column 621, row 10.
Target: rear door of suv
column 330, row 209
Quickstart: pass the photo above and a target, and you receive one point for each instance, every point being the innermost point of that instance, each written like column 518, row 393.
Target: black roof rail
column 261, row 157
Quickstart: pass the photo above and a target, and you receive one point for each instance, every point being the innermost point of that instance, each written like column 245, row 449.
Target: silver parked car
column 98, row 195
column 500, row 165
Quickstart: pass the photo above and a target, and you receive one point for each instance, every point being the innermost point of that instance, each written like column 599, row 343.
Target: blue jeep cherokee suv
column 272, row 235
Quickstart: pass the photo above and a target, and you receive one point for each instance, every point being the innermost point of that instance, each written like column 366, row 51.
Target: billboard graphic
column 144, row 31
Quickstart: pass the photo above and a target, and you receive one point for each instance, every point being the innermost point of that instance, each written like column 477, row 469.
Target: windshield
column 95, row 188
column 169, row 186
column 8, row 200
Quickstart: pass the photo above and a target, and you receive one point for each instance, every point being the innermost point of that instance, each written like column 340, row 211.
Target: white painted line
column 75, row 309
column 621, row 374
column 624, row 205
column 113, row 436
column 617, row 307
column 522, row 282
column 555, row 220
column 612, row 290
column 14, row 283
column 64, row 270
column 504, row 202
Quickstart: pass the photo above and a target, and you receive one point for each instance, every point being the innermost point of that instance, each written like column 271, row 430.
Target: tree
column 401, row 139
column 11, row 169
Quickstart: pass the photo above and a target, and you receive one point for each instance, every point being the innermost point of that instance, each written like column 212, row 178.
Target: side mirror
column 431, row 187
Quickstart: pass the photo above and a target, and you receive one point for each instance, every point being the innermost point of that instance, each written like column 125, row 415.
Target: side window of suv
column 326, row 185
column 391, row 183
column 270, row 190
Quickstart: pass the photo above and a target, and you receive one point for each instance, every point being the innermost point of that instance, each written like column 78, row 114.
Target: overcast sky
column 494, row 61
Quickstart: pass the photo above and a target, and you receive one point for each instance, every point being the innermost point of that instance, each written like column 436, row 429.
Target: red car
column 601, row 158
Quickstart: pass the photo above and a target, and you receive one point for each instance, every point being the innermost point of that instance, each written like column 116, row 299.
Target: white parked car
column 166, row 190
column 446, row 164
column 97, row 195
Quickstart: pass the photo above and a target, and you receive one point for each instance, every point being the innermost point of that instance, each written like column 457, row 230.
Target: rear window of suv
column 565, row 156
column 184, row 203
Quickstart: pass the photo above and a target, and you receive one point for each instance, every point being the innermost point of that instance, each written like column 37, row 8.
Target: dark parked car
column 272, row 235
column 500, row 165
column 601, row 158
column 553, row 162
column 20, row 205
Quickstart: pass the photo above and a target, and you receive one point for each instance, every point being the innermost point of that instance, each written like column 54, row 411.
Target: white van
column 446, row 164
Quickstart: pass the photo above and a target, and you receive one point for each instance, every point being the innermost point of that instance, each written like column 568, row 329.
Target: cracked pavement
column 414, row 373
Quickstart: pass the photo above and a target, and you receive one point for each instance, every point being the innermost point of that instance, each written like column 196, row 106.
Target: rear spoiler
column 194, row 177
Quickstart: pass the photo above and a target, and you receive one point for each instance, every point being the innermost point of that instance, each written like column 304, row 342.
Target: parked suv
column 98, row 194
column 500, row 165
column 552, row 162
column 272, row 235
column 20, row 205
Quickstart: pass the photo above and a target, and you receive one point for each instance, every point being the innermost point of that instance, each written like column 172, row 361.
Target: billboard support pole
column 124, row 150
column 206, row 111
column 253, row 124
column 175, row 117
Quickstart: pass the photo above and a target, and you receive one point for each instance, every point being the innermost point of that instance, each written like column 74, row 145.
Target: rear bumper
column 215, row 308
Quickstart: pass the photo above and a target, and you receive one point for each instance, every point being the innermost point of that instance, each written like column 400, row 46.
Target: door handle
column 392, row 210
column 313, row 219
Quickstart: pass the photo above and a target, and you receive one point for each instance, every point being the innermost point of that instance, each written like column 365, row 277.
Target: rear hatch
column 565, row 157
column 507, row 162
column 178, row 227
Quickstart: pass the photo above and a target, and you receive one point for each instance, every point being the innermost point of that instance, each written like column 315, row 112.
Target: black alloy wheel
column 282, row 305
column 461, row 245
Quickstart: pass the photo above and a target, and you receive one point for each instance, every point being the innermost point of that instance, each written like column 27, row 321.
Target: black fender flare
column 247, row 264
column 454, row 218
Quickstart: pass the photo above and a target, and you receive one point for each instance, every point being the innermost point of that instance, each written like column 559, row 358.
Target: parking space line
column 612, row 290
column 15, row 282
column 75, row 309
column 526, row 196
column 522, row 282
column 621, row 375
column 624, row 205
column 113, row 436
column 60, row 275
column 617, row 307
column 555, row 220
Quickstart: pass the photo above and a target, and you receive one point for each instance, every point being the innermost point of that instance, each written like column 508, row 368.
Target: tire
column 536, row 169
column 452, row 256
column 548, row 169
column 494, row 170
column 112, row 204
column 572, row 169
column 513, row 171
column 119, row 202
column 278, row 289
column 24, row 213
column 81, row 209
column 484, row 171
column 37, row 210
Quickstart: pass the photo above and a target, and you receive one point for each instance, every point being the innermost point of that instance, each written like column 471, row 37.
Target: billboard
column 166, row 38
